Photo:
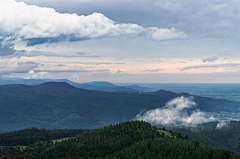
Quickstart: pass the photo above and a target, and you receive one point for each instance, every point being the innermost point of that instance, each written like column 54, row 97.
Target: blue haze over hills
column 212, row 90
column 63, row 104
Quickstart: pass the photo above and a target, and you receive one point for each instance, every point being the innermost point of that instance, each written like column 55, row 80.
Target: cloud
column 212, row 65
column 222, row 124
column 144, row 69
column 210, row 59
column 52, row 54
column 119, row 71
column 37, row 25
column 82, row 53
column 21, row 67
column 159, row 60
column 167, row 34
column 33, row 75
column 129, row 70
column 94, row 63
column 29, row 64
column 153, row 70
column 214, row 18
column 5, row 50
column 175, row 111
column 119, row 63
column 141, row 69
column 85, row 54
column 61, row 65
column 34, row 69
column 62, row 71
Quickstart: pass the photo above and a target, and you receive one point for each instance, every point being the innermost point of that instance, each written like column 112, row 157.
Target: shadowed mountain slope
column 60, row 105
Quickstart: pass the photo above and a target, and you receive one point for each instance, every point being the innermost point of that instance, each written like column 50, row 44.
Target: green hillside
column 136, row 139
column 225, row 137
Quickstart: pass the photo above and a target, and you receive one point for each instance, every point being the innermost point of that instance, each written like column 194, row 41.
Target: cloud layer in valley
column 175, row 111
column 222, row 124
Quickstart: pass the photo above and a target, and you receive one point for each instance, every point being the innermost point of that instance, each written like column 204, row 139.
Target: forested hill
column 58, row 105
column 136, row 139
column 226, row 136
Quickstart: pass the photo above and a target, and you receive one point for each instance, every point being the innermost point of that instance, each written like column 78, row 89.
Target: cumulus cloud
column 210, row 59
column 21, row 67
column 214, row 18
column 166, row 34
column 175, row 111
column 36, row 25
column 212, row 65
column 222, row 124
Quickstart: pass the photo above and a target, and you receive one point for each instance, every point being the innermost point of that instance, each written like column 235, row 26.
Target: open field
column 21, row 147
column 166, row 133
column 61, row 139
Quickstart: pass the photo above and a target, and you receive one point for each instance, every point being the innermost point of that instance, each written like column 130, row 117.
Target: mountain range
column 60, row 105
column 95, row 85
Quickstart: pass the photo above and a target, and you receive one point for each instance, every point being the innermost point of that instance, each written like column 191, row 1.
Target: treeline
column 170, row 148
column 36, row 136
column 226, row 137
column 136, row 139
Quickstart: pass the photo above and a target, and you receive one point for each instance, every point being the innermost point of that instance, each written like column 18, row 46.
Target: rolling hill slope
column 60, row 105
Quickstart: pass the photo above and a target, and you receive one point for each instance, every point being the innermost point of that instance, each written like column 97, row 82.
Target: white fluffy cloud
column 28, row 22
column 222, row 124
column 166, row 34
column 215, row 18
column 174, row 111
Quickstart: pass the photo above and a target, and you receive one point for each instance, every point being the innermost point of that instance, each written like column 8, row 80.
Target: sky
column 121, row 41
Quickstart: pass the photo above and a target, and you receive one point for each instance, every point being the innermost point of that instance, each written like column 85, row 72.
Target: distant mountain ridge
column 61, row 105
column 95, row 85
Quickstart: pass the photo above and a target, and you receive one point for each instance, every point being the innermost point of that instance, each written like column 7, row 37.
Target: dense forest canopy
column 136, row 139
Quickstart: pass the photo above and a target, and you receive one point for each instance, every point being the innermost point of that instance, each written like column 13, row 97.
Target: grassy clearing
column 60, row 140
column 166, row 133
column 20, row 146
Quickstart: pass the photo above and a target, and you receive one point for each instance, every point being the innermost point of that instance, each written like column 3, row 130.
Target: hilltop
column 136, row 139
